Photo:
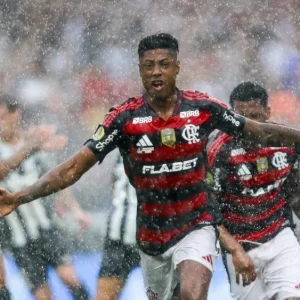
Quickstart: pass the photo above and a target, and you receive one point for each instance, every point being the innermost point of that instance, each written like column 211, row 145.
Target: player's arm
column 271, row 134
column 10, row 164
column 243, row 264
column 104, row 140
column 267, row 134
column 57, row 179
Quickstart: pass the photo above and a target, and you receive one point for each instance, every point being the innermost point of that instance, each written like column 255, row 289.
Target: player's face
column 158, row 70
column 9, row 121
column 253, row 110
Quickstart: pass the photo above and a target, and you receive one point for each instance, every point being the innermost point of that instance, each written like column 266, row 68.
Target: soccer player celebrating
column 255, row 185
column 162, row 136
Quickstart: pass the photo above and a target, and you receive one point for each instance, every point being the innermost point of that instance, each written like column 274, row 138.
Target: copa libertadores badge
column 99, row 134
column 168, row 137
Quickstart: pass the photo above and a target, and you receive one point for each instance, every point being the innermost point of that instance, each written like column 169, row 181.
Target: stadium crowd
column 67, row 62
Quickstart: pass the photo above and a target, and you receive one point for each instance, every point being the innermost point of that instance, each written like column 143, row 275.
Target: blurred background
column 68, row 61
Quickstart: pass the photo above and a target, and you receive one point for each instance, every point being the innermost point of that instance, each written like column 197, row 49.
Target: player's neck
column 163, row 107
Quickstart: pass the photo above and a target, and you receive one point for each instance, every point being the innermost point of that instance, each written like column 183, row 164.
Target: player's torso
column 259, row 171
column 255, row 204
column 172, row 147
column 166, row 162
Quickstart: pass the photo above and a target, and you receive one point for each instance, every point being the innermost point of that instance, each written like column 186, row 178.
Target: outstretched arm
column 57, row 179
column 60, row 177
column 266, row 134
column 271, row 134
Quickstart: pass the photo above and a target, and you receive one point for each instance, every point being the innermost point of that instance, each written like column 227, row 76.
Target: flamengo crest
column 191, row 133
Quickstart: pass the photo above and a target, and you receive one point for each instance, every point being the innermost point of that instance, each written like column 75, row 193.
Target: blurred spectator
column 285, row 108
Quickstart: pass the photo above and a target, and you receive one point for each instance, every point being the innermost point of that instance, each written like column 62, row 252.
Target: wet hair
column 158, row 41
column 248, row 91
column 9, row 102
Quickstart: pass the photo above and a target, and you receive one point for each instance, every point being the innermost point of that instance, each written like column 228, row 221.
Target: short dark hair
column 158, row 41
column 248, row 91
column 10, row 102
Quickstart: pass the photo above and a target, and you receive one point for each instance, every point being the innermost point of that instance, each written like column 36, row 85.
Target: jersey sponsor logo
column 142, row 120
column 99, row 134
column 171, row 168
column 236, row 152
column 191, row 133
column 280, row 160
column 231, row 119
column 189, row 113
column 244, row 172
column 101, row 145
column 145, row 145
column 263, row 190
column 168, row 137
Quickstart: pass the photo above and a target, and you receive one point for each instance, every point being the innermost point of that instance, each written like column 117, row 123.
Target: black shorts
column 118, row 259
column 37, row 255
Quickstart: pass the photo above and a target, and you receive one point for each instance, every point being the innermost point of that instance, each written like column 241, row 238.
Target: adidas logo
column 244, row 172
column 145, row 145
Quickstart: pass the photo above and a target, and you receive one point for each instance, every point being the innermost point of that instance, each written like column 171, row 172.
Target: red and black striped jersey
column 166, row 163
column 251, row 184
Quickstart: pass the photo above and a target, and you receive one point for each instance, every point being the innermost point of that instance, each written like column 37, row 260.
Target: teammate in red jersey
column 162, row 137
column 255, row 185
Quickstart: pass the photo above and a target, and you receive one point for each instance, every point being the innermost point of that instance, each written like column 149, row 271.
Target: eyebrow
column 152, row 60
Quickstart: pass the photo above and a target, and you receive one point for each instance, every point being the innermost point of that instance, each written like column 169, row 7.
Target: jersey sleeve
column 217, row 164
column 107, row 135
column 224, row 119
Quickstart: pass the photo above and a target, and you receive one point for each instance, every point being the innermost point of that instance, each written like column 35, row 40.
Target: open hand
column 8, row 203
column 244, row 267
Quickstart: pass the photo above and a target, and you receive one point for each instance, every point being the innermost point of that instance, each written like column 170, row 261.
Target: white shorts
column 159, row 272
column 277, row 263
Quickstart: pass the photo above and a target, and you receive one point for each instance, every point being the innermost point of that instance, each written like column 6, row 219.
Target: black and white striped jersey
column 27, row 221
column 122, row 223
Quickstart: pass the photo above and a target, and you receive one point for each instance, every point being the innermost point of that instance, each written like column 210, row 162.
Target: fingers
column 245, row 277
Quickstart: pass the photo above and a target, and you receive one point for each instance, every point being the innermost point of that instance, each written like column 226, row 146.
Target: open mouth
column 157, row 84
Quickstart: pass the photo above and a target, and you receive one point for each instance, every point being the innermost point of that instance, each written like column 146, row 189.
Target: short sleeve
column 107, row 135
column 224, row 119
column 217, row 164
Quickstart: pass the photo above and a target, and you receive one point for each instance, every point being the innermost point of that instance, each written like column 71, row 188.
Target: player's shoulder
column 121, row 111
column 194, row 95
column 130, row 104
column 218, row 142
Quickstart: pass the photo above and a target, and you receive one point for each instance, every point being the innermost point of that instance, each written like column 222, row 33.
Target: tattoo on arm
column 59, row 178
